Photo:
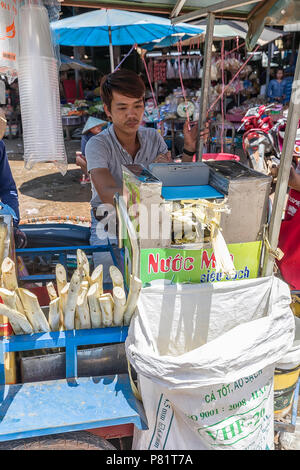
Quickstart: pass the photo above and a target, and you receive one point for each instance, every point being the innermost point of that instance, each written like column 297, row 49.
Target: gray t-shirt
column 105, row 151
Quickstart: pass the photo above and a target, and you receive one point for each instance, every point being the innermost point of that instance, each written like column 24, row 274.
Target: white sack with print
column 205, row 358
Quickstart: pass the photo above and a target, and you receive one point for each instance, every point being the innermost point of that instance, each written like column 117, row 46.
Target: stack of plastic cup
column 39, row 91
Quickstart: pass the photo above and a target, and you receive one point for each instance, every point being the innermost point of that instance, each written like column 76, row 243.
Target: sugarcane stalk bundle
column 78, row 304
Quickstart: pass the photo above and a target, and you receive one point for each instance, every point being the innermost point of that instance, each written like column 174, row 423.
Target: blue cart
column 53, row 414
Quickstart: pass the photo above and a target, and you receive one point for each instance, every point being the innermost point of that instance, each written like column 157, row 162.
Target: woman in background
column 93, row 126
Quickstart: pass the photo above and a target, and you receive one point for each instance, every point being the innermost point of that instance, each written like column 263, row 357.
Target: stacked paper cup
column 39, row 91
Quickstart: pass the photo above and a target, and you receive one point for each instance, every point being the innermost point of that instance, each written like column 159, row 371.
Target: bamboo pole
column 205, row 86
column 284, row 171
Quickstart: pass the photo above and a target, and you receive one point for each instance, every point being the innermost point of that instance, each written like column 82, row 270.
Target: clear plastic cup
column 35, row 32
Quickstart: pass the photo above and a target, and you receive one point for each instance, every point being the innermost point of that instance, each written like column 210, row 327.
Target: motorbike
column 260, row 141
column 263, row 140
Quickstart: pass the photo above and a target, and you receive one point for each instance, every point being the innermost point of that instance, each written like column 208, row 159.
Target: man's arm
column 105, row 185
column 8, row 189
column 190, row 133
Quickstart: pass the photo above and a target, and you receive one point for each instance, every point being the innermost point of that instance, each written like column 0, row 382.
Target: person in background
column 276, row 88
column 289, row 78
column 93, row 126
column 8, row 189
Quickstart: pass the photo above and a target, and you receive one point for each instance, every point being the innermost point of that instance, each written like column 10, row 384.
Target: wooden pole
column 284, row 171
column 205, row 81
column 269, row 66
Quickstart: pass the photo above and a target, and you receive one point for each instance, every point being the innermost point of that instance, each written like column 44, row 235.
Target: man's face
column 126, row 113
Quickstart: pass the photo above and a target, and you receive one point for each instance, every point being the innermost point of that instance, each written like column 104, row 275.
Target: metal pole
column 111, row 51
column 284, row 170
column 76, row 56
column 77, row 77
column 269, row 66
column 205, row 81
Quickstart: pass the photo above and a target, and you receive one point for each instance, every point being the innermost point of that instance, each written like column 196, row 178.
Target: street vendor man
column 125, row 142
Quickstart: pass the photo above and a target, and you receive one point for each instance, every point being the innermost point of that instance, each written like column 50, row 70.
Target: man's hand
column 190, row 135
column 163, row 158
column 81, row 162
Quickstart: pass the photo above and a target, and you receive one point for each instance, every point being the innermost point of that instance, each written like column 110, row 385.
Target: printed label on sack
column 229, row 416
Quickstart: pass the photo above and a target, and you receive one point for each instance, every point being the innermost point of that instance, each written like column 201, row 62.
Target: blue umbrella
column 115, row 28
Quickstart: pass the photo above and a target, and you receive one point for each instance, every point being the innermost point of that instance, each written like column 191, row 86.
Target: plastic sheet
column 39, row 90
column 9, row 39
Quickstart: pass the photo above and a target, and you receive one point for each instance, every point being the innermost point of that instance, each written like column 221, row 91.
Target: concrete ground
column 43, row 191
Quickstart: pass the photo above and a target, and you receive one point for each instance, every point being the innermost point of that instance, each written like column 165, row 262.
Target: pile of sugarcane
column 78, row 304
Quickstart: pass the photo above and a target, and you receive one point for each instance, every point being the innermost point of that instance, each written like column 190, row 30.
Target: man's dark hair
column 125, row 82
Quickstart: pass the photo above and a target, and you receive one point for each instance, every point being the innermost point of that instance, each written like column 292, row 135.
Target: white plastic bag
column 9, row 47
column 205, row 358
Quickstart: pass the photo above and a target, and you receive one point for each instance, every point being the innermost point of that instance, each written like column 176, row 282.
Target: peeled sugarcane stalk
column 224, row 261
column 119, row 298
column 18, row 321
column 3, row 235
column 95, row 310
column 97, row 278
column 19, row 305
column 12, row 300
column 33, row 311
column 54, row 314
column 116, row 277
column 69, row 311
column 77, row 321
column 51, row 291
column 62, row 303
column 82, row 310
column 9, row 276
column 85, row 285
column 107, row 308
column 9, row 298
column 134, row 292
column 61, row 277
column 83, row 264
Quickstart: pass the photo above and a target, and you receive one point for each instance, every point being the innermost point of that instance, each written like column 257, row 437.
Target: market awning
column 265, row 12
column 230, row 29
column 69, row 63
column 256, row 13
column 160, row 6
column 223, row 29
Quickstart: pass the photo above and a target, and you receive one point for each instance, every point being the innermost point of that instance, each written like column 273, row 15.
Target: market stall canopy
column 264, row 12
column 126, row 28
column 227, row 29
column 256, row 13
column 158, row 6
column 69, row 63
column 223, row 29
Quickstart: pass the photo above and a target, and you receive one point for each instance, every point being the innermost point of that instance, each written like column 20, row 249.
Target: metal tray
column 98, row 361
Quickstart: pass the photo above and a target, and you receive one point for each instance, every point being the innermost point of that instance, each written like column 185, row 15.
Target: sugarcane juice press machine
column 194, row 222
